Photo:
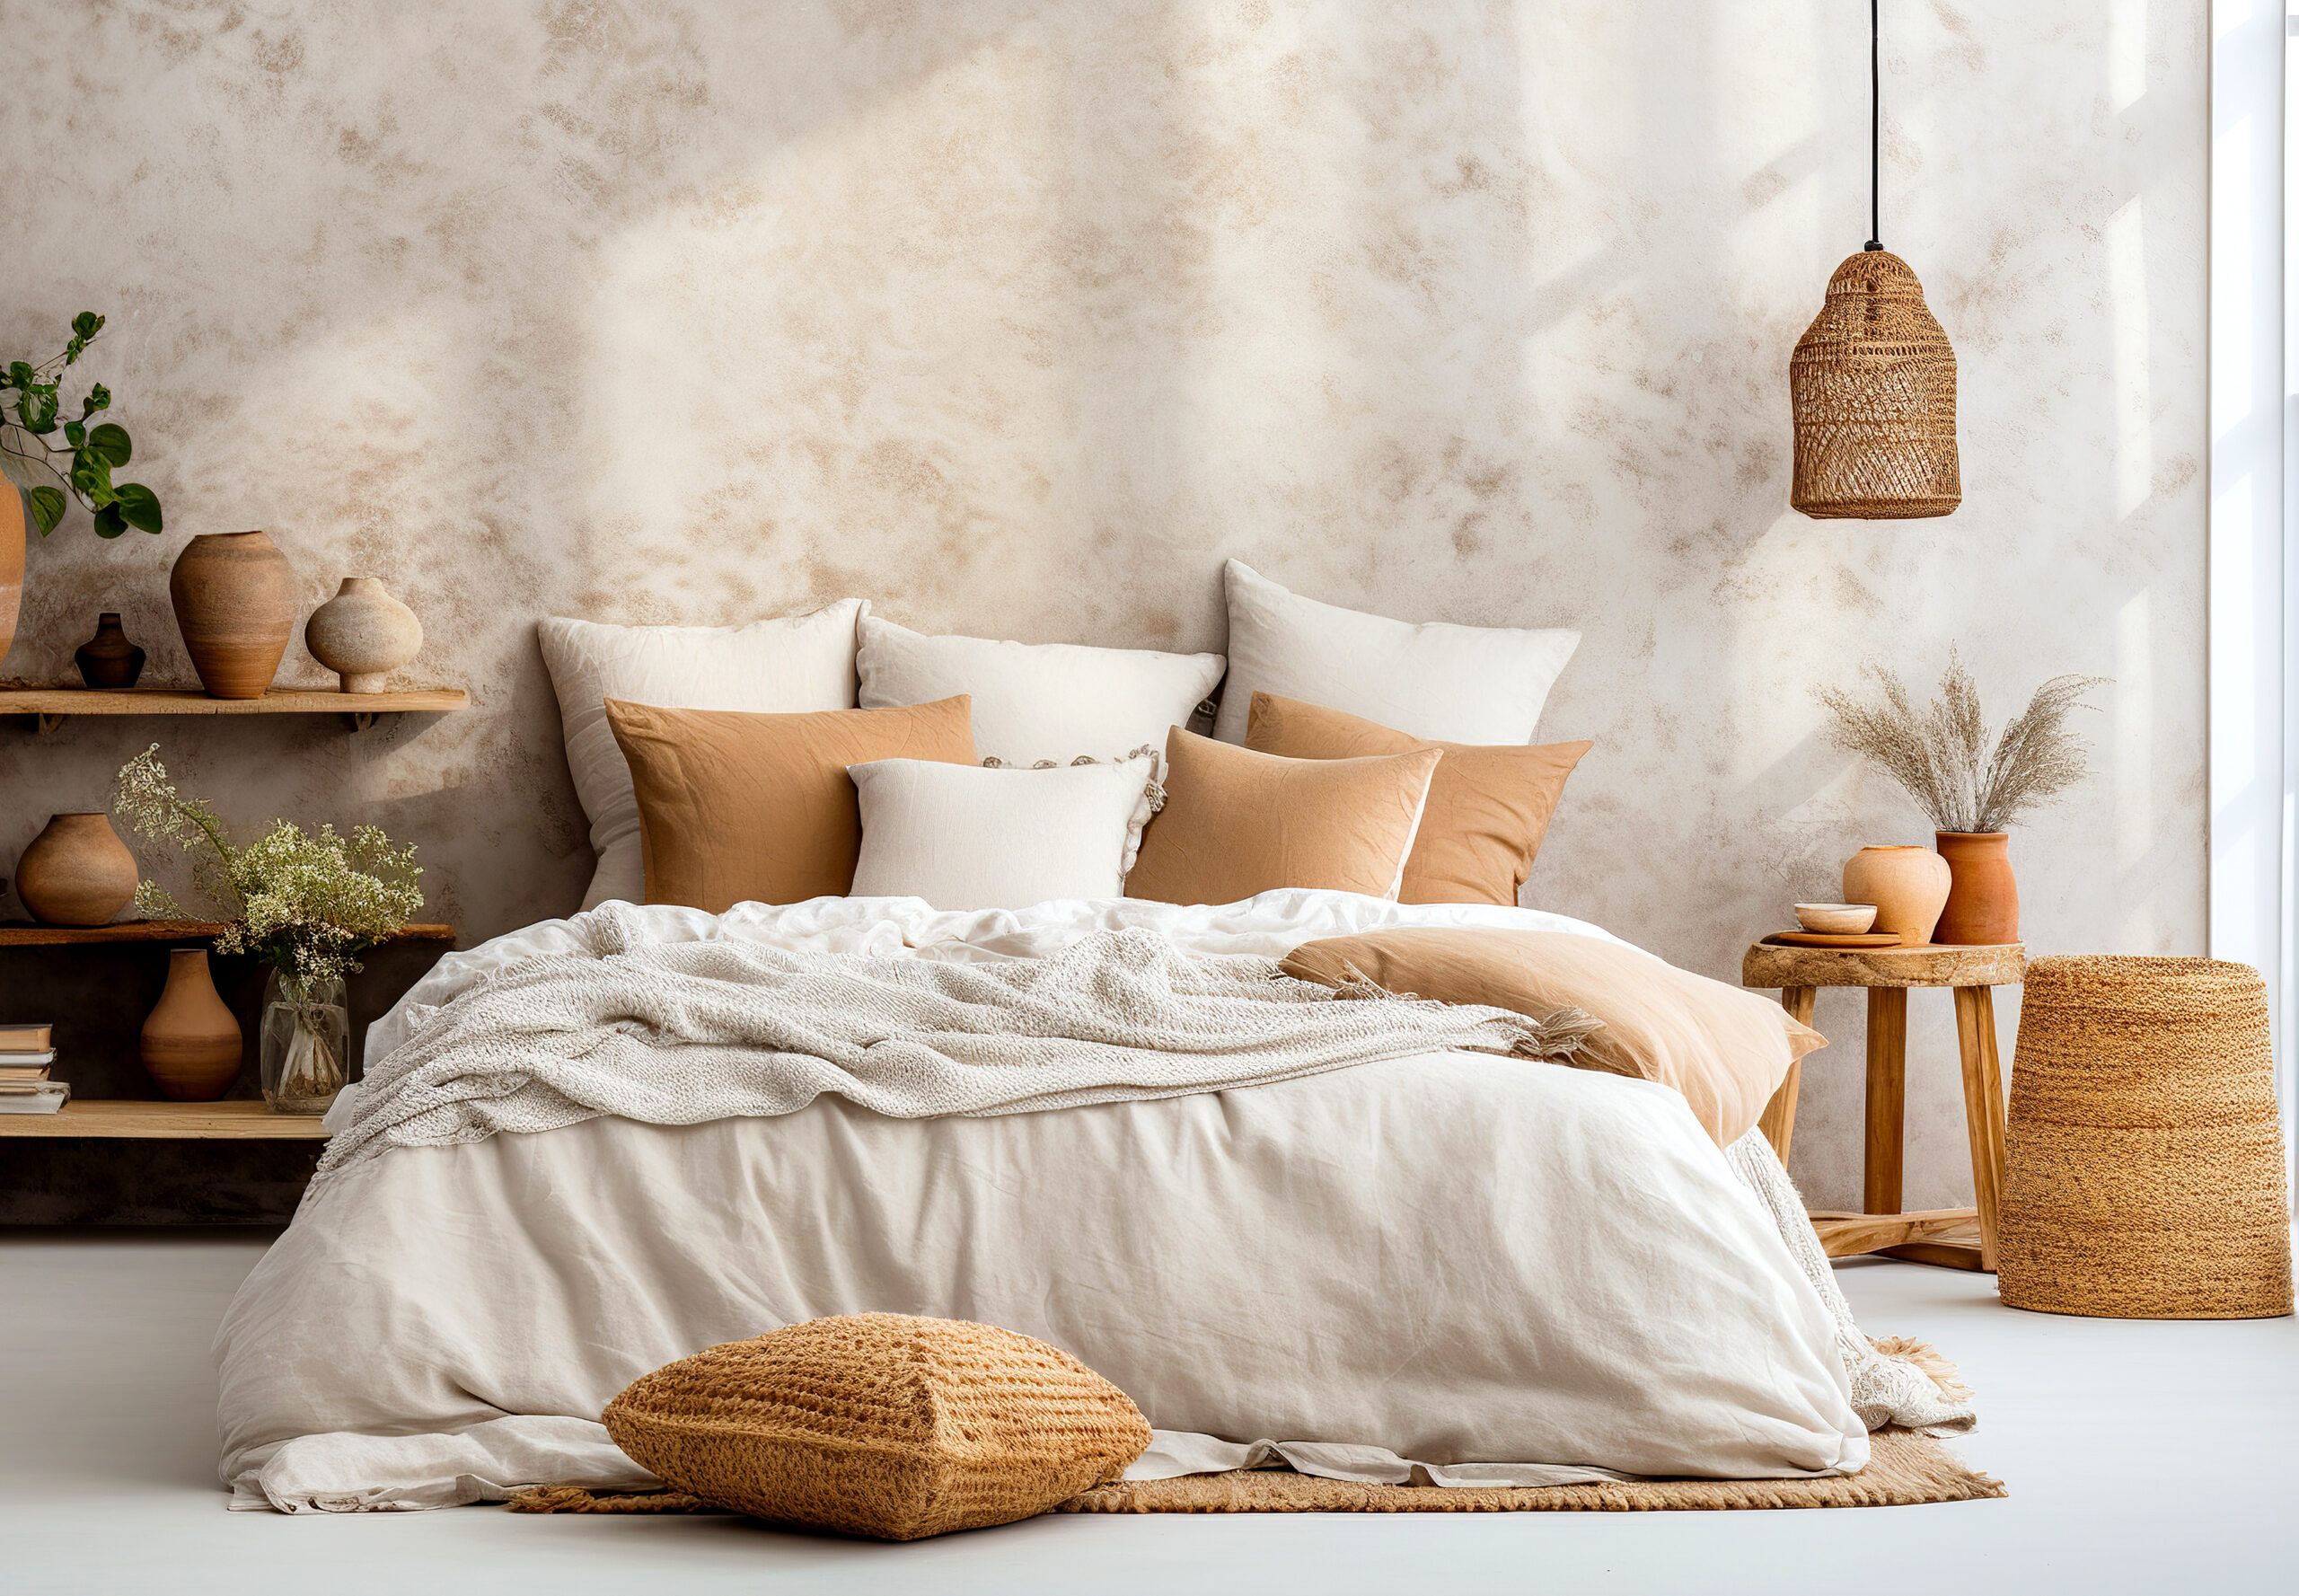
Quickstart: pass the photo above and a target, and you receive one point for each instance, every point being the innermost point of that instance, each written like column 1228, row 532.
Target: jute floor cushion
column 2143, row 1165
column 881, row 1425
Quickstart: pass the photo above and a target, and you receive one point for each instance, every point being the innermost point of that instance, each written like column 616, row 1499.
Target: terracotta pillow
column 1488, row 806
column 880, row 1423
column 1724, row 1049
column 1236, row 823
column 734, row 807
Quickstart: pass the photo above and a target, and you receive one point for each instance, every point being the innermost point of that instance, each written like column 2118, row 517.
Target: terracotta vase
column 363, row 634
column 76, row 872
column 1984, row 902
column 1908, row 885
column 235, row 598
column 191, row 1042
column 11, row 562
column 109, row 659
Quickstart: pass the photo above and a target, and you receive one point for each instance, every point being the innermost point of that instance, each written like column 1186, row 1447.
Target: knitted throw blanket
column 679, row 1033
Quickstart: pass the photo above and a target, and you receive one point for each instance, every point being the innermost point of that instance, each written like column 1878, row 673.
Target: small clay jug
column 109, row 659
column 1908, row 884
column 191, row 1042
column 234, row 598
column 76, row 872
column 1983, row 899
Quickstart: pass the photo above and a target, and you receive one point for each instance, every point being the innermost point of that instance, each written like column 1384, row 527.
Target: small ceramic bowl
column 1836, row 919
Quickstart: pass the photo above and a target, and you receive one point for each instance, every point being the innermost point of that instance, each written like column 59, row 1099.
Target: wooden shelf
column 21, row 935
column 244, row 1121
column 47, row 706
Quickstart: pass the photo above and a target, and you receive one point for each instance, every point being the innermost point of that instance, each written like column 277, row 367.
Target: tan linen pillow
column 1236, row 823
column 881, row 1424
column 734, row 807
column 1488, row 806
column 1725, row 1050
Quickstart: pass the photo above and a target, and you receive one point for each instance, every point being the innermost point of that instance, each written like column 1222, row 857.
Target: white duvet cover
column 1456, row 1266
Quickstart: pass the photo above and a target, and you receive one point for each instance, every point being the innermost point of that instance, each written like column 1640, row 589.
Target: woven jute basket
column 2143, row 1164
column 1874, row 380
column 880, row 1423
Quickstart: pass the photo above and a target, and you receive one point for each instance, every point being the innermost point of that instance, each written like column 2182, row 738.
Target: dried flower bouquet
column 1940, row 752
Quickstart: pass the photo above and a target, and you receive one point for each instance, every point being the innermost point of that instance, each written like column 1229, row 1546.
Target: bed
column 1457, row 1267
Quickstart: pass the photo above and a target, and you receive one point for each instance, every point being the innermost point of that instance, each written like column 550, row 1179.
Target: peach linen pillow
column 1236, row 823
column 735, row 808
column 1725, row 1050
column 1489, row 806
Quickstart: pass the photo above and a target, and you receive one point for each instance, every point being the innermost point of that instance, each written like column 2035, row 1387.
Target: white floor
column 2140, row 1457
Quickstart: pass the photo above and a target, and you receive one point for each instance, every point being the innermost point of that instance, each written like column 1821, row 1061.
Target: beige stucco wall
column 1019, row 317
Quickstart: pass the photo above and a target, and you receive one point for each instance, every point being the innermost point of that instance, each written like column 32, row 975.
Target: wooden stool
column 1957, row 1238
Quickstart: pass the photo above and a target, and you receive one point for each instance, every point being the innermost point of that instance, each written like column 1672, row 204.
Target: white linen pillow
column 1036, row 702
column 986, row 837
column 1433, row 681
column 787, row 665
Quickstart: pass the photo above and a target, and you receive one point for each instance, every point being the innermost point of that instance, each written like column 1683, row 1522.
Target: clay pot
column 109, row 659
column 1984, row 901
column 363, row 634
column 76, row 872
column 1908, row 885
column 235, row 598
column 191, row 1042
column 11, row 562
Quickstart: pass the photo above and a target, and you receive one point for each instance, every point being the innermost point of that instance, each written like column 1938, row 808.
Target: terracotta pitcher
column 1908, row 885
column 191, row 1042
column 1983, row 899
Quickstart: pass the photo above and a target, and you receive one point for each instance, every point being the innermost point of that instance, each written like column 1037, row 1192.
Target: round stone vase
column 191, row 1043
column 1983, row 898
column 234, row 598
column 76, row 872
column 1908, row 885
column 363, row 634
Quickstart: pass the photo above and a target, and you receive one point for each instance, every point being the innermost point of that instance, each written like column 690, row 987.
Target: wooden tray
column 1835, row 939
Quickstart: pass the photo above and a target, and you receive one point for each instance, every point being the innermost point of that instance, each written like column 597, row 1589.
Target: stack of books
column 27, row 1052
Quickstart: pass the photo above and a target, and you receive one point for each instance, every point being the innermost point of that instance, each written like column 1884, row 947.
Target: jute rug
column 1904, row 1469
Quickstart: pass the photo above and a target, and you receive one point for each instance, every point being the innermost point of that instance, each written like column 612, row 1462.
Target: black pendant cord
column 1875, row 131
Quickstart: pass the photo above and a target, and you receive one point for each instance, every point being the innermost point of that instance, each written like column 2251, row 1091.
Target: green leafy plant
column 306, row 903
column 93, row 453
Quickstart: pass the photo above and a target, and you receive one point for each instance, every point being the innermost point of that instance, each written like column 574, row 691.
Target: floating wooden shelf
column 244, row 1121
column 21, row 935
column 49, row 705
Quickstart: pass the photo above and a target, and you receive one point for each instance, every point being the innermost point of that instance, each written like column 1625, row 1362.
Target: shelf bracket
column 45, row 725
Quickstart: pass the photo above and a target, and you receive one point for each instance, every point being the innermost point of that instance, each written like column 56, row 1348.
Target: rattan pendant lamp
column 1873, row 379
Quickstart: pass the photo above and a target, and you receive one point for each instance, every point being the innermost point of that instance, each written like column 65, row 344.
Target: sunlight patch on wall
column 2126, row 53
column 2128, row 308
column 2133, row 696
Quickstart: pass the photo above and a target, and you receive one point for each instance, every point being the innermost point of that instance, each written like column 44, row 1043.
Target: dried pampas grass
column 1939, row 753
